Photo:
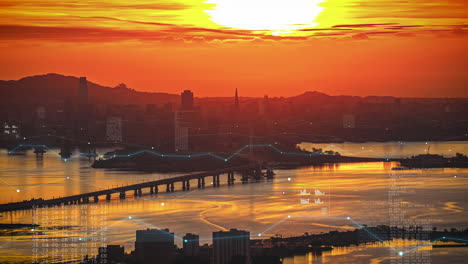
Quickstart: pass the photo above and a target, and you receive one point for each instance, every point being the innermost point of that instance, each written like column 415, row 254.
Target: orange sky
column 280, row 48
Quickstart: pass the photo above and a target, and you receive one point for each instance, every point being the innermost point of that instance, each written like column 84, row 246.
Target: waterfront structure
column 231, row 245
column 155, row 246
column 251, row 171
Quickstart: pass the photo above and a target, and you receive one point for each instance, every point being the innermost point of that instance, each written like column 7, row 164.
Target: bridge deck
column 72, row 198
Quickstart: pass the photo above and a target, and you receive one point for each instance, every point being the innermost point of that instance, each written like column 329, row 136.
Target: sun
column 272, row 15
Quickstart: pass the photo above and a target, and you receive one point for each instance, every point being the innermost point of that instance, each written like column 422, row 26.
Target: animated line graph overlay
column 135, row 153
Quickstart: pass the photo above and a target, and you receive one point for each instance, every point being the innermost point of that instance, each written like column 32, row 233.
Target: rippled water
column 430, row 197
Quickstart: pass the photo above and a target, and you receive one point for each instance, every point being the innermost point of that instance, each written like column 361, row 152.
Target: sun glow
column 272, row 15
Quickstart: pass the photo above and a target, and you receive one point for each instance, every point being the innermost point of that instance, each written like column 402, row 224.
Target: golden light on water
column 273, row 15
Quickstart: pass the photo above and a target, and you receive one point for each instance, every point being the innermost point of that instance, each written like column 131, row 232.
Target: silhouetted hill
column 55, row 88
column 313, row 97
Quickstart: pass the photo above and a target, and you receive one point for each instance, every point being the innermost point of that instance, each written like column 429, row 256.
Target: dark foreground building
column 155, row 246
column 231, row 247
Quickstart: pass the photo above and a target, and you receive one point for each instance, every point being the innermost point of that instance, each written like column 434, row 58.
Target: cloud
column 363, row 25
column 360, row 36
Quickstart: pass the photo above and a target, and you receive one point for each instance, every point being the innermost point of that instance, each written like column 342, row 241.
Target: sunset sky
column 281, row 48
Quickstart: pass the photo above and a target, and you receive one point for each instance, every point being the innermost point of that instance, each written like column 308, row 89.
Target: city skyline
column 234, row 92
column 233, row 131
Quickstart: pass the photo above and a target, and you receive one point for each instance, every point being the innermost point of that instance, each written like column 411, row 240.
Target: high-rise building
column 114, row 128
column 191, row 244
column 236, row 101
column 349, row 121
column 186, row 100
column 155, row 246
column 181, row 130
column 231, row 245
column 264, row 105
column 111, row 254
column 184, row 119
column 83, row 92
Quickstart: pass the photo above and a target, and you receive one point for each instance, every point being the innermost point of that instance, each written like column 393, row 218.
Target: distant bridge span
column 253, row 171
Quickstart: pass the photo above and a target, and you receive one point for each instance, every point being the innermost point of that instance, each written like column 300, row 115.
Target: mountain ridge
column 55, row 88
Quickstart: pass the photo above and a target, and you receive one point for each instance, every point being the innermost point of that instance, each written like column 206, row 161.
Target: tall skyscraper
column 184, row 119
column 186, row 100
column 155, row 246
column 264, row 106
column 236, row 101
column 83, row 92
column 191, row 244
column 111, row 254
column 229, row 245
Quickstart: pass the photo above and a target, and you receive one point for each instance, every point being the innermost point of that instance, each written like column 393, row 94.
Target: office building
column 191, row 244
column 111, row 254
column 232, row 245
column 183, row 123
column 186, row 100
column 155, row 246
column 83, row 91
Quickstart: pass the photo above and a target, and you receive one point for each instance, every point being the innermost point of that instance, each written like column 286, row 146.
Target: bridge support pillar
column 135, row 193
column 122, row 195
column 139, row 192
column 270, row 174
column 96, row 199
column 108, row 196
column 151, row 190
column 172, row 187
column 203, row 182
column 183, row 186
column 245, row 177
column 199, row 183
column 231, row 178
column 188, row 185
column 156, row 189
